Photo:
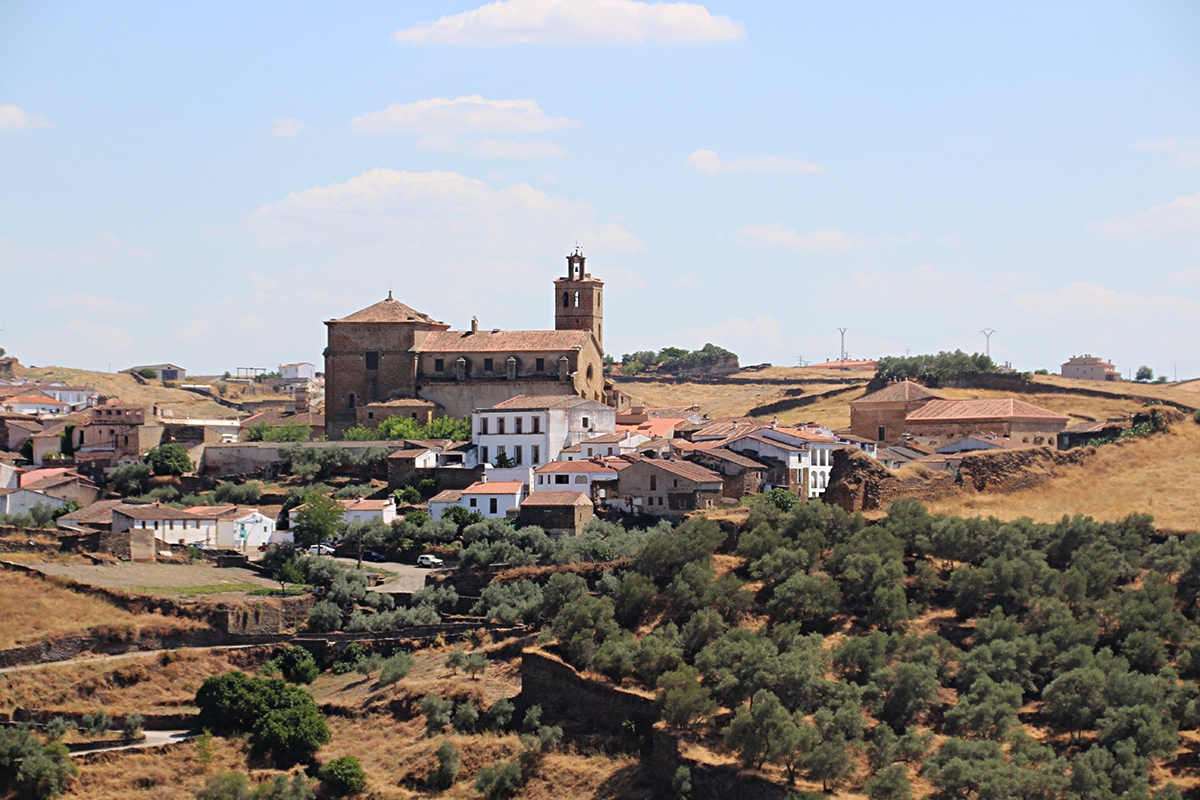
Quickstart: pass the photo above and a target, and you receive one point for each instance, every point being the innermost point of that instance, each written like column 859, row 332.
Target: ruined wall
column 399, row 474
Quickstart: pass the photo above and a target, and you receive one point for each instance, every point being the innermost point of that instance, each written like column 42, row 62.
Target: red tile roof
column 556, row 499
column 684, row 469
column 530, row 402
column 494, row 487
column 901, row 392
column 503, row 342
column 996, row 408
column 33, row 476
column 388, row 310
column 574, row 466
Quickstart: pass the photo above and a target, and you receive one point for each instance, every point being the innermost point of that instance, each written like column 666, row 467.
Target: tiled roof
column 41, row 401
column 996, row 408
column 33, row 476
column 57, row 480
column 152, row 511
column 684, row 469
column 401, row 402
column 532, row 402
column 574, row 466
column 556, row 499
column 494, row 487
column 221, row 512
column 27, row 424
column 901, row 392
column 446, row 496
column 721, row 428
column 729, row 456
column 409, row 455
column 609, row 438
column 98, row 513
column 660, row 428
column 388, row 310
column 503, row 342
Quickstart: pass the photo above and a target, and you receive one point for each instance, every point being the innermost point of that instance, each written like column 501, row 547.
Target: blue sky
column 204, row 183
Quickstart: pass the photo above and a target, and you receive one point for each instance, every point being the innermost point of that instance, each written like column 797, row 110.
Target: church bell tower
column 579, row 300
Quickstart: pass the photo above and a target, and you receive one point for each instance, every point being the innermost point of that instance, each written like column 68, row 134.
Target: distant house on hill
column 163, row 372
column 1090, row 368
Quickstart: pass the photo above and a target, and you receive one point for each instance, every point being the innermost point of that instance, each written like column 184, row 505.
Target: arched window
column 350, row 401
column 577, row 299
column 566, row 299
column 590, row 373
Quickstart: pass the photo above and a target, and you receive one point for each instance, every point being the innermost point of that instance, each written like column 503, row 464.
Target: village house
column 607, row 445
column 170, row 525
column 798, row 459
column 1090, row 368
column 419, row 411
column 235, row 528
column 945, row 420
column 360, row 509
column 533, row 430
column 116, row 433
column 581, row 476
column 97, row 516
column 557, row 513
column 25, row 499
column 881, row 415
column 741, row 474
column 491, row 499
column 162, row 372
column 390, row 351
column 667, row 488
column 34, row 404
column 300, row 371
column 17, row 428
column 75, row 397
column 61, row 483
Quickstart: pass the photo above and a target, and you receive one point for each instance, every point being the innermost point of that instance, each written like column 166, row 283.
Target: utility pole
column 842, row 358
column 987, row 333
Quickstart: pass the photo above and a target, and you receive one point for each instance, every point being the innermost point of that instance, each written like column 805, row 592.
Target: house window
column 535, row 454
column 350, row 401
column 487, row 365
column 653, row 483
column 499, row 424
column 372, row 359
column 676, row 483
column 517, row 455
column 541, row 479
column 439, row 365
column 581, row 478
column 518, row 423
column 492, row 506
column 541, row 365
column 881, row 437
column 562, row 478
column 589, row 451
column 500, row 450
column 370, row 415
column 585, row 422
column 483, row 425
column 535, row 424
column 566, row 299
column 483, row 455
column 577, row 299
column 474, row 502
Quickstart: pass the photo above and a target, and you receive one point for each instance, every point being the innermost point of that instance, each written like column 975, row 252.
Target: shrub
column 297, row 665
column 282, row 789
column 408, row 495
column 437, row 713
column 130, row 479
column 395, row 668
column 132, row 729
column 449, row 763
column 352, row 656
column 466, row 716
column 243, row 494
column 281, row 719
column 95, row 724
column 499, row 780
column 169, row 459
column 343, row 776
column 500, row 713
column 325, row 617
column 55, row 729
column 475, row 665
column 225, row 786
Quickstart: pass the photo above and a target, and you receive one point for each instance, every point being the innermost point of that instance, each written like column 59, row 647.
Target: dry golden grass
column 31, row 609
column 142, row 683
column 1157, row 475
column 123, row 386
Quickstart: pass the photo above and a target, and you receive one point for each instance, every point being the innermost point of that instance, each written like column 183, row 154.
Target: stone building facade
column 389, row 351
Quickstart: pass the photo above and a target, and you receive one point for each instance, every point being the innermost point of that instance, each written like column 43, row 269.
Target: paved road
column 153, row 739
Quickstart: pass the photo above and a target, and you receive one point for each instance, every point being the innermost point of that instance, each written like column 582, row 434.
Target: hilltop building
column 391, row 352
column 1090, row 368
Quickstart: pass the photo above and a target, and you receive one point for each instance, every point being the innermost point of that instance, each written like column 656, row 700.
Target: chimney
column 484, row 478
column 474, row 324
column 775, row 423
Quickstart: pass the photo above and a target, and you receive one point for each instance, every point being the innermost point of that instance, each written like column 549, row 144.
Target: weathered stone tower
column 579, row 300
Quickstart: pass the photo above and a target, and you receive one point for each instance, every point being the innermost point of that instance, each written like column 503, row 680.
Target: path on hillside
column 153, row 739
column 102, row 659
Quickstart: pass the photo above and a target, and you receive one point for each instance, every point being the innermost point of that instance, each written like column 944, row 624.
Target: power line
column 842, row 358
column 987, row 333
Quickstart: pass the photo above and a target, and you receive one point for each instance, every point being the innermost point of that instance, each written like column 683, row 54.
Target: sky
column 205, row 182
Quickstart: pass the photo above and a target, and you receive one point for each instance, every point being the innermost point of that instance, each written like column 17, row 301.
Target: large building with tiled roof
column 1002, row 416
column 880, row 415
column 390, row 351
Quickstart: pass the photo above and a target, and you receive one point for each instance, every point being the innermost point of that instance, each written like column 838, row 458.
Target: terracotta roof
column 152, row 511
column 574, row 466
column 530, row 402
column 27, row 424
column 41, row 401
column 685, row 469
column 98, row 513
column 446, row 496
column 773, row 442
column 409, row 455
column 401, row 402
column 503, row 342
column 660, row 428
column 221, row 512
column 388, row 310
column 729, row 456
column 609, row 438
column 494, row 487
column 721, row 428
column 33, row 476
column 901, row 392
column 998, row 408
column 57, row 480
column 556, row 499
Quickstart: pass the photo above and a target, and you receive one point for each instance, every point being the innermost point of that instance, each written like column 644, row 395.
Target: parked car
column 321, row 550
column 371, row 555
column 428, row 560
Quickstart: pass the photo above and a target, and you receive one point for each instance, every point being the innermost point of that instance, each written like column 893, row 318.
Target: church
column 390, row 360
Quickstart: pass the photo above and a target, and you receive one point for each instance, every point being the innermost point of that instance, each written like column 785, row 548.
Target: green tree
column 225, row 786
column 130, row 479
column 762, row 732
column 1144, row 374
column 449, row 764
column 499, row 780
column 889, row 783
column 681, row 698
column 343, row 776
column 437, row 713
column 988, row 711
column 395, row 668
column 1075, row 699
column 297, row 665
column 475, row 665
column 288, row 572
column 317, row 520
column 905, row 691
column 169, row 459
column 500, row 713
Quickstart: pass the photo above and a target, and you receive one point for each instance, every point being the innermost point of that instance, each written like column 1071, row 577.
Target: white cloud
column 1100, row 303
column 414, row 210
column 1189, row 274
column 737, row 330
column 709, row 163
column 288, row 127
column 574, row 22
column 1187, row 151
column 1181, row 214
column 467, row 114
column 817, row 241
column 15, row 118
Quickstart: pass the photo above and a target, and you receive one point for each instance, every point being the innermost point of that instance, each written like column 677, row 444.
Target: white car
column 321, row 550
column 429, row 561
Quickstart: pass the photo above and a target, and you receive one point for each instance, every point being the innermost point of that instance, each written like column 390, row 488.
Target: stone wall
column 401, row 474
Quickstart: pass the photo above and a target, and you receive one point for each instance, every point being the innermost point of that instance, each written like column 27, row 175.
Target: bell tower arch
column 579, row 300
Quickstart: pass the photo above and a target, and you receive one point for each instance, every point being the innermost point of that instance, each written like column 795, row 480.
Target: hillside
column 125, row 387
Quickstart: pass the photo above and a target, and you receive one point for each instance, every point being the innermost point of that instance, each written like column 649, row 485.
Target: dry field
column 124, row 386
column 170, row 580
column 32, row 609
column 1157, row 475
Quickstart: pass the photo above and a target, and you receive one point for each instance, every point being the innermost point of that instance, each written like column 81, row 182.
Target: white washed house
column 531, row 430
